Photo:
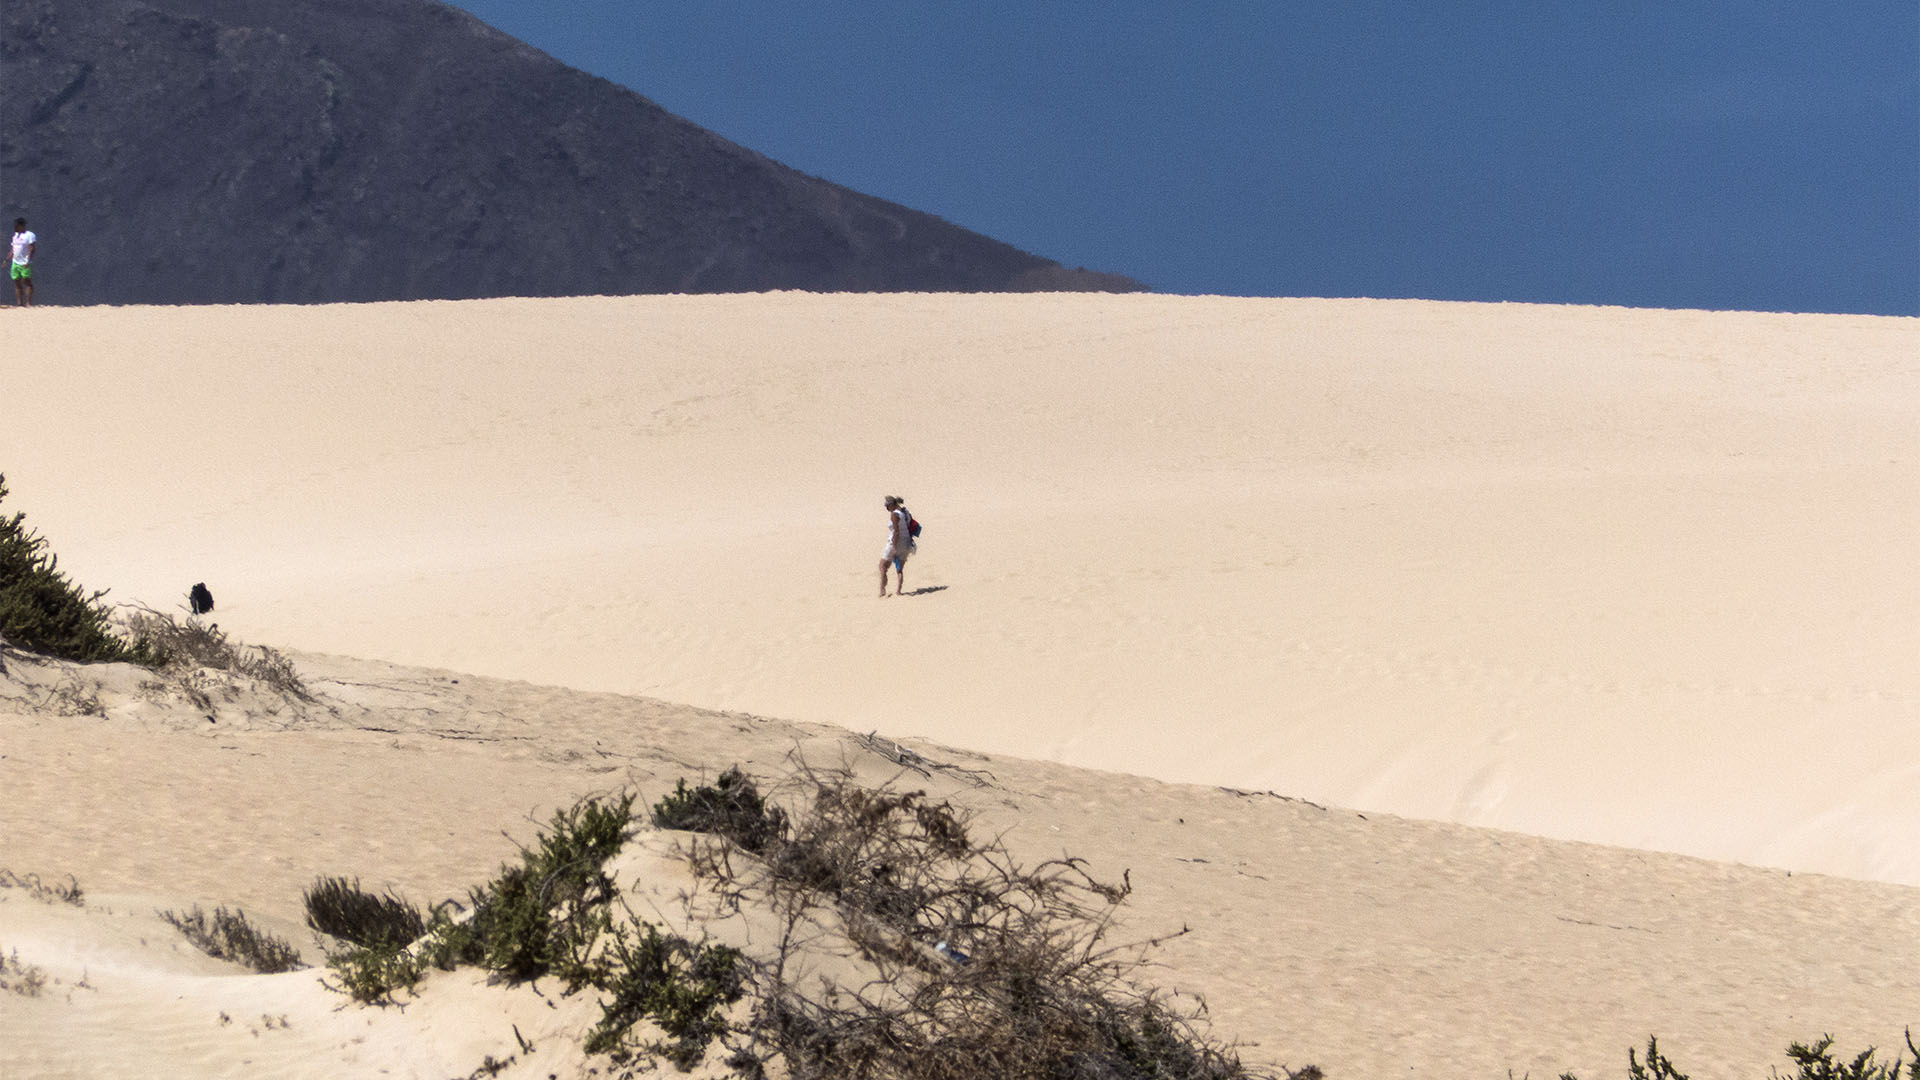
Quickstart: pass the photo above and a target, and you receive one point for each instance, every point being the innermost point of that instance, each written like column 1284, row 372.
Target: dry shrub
column 74, row 697
column 17, row 977
column 56, row 893
column 179, row 646
column 983, row 967
column 231, row 937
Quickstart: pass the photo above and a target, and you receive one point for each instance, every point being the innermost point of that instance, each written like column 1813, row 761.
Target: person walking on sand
column 24, row 243
column 899, row 544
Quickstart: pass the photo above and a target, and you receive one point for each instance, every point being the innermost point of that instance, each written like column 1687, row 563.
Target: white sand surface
column 1370, row 945
column 1635, row 577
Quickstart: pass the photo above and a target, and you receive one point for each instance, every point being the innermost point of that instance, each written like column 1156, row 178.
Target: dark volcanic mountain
column 198, row 151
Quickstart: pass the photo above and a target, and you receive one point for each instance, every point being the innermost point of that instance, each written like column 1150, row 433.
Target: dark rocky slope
column 203, row 151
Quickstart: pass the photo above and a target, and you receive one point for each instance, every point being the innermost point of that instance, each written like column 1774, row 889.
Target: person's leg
column 28, row 282
column 883, row 576
column 19, row 290
column 900, row 574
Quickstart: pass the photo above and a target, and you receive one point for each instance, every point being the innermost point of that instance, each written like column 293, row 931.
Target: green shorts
column 23, row 271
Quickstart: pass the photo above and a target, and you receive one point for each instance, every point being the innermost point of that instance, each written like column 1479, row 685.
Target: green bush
column 231, row 937
column 550, row 914
column 42, row 611
column 341, row 908
column 544, row 916
column 448, row 944
column 1815, row 1062
column 680, row 986
column 731, row 807
column 553, row 915
column 370, row 974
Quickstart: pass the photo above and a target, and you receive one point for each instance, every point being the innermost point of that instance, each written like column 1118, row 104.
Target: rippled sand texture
column 1643, row 578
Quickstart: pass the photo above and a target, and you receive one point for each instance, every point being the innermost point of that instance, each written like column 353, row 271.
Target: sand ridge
column 1368, row 944
column 1632, row 577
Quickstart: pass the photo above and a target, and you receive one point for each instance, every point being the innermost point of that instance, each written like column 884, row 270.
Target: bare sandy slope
column 1368, row 944
column 1635, row 577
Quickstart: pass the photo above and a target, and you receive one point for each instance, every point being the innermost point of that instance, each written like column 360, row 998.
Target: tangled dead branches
column 973, row 965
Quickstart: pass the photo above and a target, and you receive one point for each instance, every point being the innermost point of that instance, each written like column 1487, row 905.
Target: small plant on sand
column 380, row 929
column 1657, row 1067
column 681, row 986
column 20, row 978
column 492, row 1066
column 229, row 936
column 182, row 645
column 372, row 974
column 344, row 910
column 731, row 807
column 56, row 893
column 544, row 916
column 552, row 913
column 74, row 697
column 1814, row 1061
column 42, row 611
column 449, row 942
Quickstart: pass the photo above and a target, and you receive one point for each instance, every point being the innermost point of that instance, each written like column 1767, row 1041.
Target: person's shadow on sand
column 925, row 589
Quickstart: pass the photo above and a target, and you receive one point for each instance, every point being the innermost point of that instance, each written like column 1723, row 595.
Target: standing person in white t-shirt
column 23, row 246
column 899, row 544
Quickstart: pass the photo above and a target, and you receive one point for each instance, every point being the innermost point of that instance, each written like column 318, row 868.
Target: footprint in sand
column 1484, row 793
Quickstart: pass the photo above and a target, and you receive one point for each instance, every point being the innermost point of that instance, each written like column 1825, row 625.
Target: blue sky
column 1750, row 155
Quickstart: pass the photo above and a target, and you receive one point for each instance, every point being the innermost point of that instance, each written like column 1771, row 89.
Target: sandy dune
column 1368, row 944
column 1634, row 577
column 1403, row 574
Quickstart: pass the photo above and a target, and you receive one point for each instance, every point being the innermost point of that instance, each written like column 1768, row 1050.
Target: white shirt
column 23, row 247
